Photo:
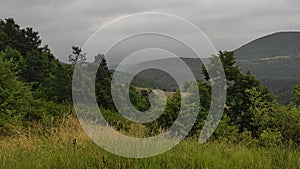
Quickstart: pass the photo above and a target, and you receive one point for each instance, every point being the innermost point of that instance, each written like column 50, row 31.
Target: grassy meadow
column 57, row 150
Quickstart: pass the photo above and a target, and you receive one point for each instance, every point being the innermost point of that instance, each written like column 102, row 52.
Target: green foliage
column 270, row 138
column 15, row 56
column 18, row 106
column 35, row 64
column 115, row 120
column 77, row 56
column 252, row 113
column 12, row 35
column 261, row 112
column 296, row 95
column 238, row 102
column 139, row 100
column 170, row 114
column 44, row 72
column 15, row 97
column 205, row 101
column 103, row 83
column 32, row 80
column 289, row 123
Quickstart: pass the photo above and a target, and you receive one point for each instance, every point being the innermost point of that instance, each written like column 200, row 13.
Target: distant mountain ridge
column 276, row 44
column 274, row 59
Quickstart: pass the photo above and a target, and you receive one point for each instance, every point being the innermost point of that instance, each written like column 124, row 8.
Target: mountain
column 276, row 44
column 162, row 79
column 275, row 60
column 140, row 81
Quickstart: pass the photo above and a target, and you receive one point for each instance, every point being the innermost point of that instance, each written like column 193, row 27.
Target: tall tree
column 238, row 102
column 14, row 36
column 103, row 83
column 77, row 57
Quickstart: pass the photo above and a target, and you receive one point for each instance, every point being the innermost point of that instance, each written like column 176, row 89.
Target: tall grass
column 56, row 150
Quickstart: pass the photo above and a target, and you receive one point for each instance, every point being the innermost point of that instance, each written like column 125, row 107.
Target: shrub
column 270, row 138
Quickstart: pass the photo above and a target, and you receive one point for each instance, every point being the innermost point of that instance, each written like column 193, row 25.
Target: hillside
column 275, row 60
column 276, row 44
column 162, row 79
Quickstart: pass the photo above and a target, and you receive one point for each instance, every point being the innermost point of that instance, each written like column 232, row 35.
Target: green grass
column 57, row 151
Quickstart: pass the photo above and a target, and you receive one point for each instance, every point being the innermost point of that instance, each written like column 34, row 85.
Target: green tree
column 171, row 112
column 288, row 118
column 36, row 64
column 15, row 57
column 14, row 36
column 15, row 97
column 77, row 57
column 262, row 112
column 238, row 102
column 296, row 95
column 103, row 83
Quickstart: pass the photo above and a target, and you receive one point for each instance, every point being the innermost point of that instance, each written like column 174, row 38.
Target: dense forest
column 36, row 97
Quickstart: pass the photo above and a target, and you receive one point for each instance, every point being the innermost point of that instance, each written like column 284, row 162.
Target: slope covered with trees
column 274, row 59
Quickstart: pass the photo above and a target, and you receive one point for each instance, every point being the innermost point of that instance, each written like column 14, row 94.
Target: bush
column 15, row 97
column 270, row 138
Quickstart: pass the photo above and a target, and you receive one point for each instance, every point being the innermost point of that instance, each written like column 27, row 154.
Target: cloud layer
column 228, row 23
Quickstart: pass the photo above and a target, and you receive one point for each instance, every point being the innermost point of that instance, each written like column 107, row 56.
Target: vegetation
column 274, row 60
column 58, row 151
column 38, row 128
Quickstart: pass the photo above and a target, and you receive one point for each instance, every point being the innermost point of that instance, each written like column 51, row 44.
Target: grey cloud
column 229, row 23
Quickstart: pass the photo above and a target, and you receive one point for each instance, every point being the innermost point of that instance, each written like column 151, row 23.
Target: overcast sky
column 228, row 23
